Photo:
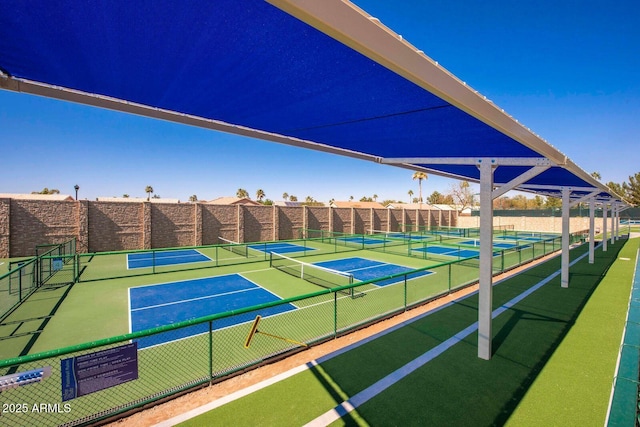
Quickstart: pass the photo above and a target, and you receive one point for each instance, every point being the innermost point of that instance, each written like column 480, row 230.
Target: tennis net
column 320, row 276
column 235, row 247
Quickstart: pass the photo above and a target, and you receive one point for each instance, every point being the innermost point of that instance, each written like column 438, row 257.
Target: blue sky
column 568, row 70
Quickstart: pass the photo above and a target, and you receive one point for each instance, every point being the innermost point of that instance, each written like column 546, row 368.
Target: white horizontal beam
column 497, row 161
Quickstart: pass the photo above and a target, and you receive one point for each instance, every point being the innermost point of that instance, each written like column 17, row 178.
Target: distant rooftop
column 36, row 196
column 367, row 205
column 233, row 201
column 136, row 200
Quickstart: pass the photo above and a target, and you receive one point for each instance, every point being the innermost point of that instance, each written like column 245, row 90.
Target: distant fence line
column 112, row 226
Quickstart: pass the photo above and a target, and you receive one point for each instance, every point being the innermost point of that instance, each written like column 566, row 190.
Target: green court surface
column 554, row 357
column 66, row 315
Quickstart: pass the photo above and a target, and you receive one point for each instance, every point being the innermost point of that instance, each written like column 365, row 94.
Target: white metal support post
column 592, row 231
column 487, row 167
column 604, row 227
column 564, row 270
column 617, row 222
column 485, row 293
column 613, row 227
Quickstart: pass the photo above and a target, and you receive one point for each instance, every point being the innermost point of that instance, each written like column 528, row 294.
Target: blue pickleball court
column 168, row 303
column 364, row 269
column 280, row 247
column 448, row 251
column 171, row 257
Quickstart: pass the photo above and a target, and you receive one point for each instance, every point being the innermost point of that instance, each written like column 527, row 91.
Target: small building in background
column 233, row 201
column 37, row 196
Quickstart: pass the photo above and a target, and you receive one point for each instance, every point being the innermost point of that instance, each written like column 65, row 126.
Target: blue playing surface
column 280, row 247
column 448, row 251
column 365, row 269
column 178, row 256
column 500, row 245
column 362, row 240
column 169, row 303
column 527, row 239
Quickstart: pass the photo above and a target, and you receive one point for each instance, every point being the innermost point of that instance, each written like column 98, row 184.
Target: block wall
column 110, row 226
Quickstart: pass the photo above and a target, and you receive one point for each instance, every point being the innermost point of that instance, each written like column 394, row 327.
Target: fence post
column 210, row 350
column 335, row 314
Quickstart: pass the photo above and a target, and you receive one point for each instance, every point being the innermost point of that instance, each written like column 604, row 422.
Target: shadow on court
column 22, row 328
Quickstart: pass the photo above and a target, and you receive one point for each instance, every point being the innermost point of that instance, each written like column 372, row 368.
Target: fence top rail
column 21, row 266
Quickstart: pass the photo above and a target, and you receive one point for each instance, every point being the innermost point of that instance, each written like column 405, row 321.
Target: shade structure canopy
column 317, row 74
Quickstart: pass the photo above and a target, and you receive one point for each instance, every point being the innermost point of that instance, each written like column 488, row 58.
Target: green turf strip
column 575, row 384
column 456, row 388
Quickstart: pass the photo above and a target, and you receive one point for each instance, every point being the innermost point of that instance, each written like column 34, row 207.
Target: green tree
column 125, row 196
column 410, row 193
column 193, row 198
column 293, row 198
column 242, row 193
column 285, row 196
column 632, row 190
column 619, row 189
column 260, row 195
column 419, row 176
column 553, row 203
column 538, row 201
column 596, row 175
column 46, row 190
column 436, row 198
column 519, row 202
column 148, row 189
column 375, row 197
column 351, row 198
column 366, row 199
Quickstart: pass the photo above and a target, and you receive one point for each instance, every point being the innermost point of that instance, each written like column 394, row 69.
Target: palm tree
column 285, row 196
column 351, row 198
column 375, row 197
column 260, row 195
column 410, row 193
column 293, row 198
column 242, row 193
column 419, row 176
column 193, row 198
column 148, row 190
column 596, row 175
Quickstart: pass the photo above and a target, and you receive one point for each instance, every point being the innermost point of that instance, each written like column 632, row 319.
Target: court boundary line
column 174, row 250
column 265, row 383
column 196, row 299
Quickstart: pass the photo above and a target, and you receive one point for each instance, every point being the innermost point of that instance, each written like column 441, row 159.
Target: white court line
column 195, row 299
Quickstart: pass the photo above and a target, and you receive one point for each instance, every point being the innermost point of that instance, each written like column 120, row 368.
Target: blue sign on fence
column 97, row 371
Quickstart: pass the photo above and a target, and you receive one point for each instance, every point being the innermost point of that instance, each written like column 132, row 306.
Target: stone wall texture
column 113, row 226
